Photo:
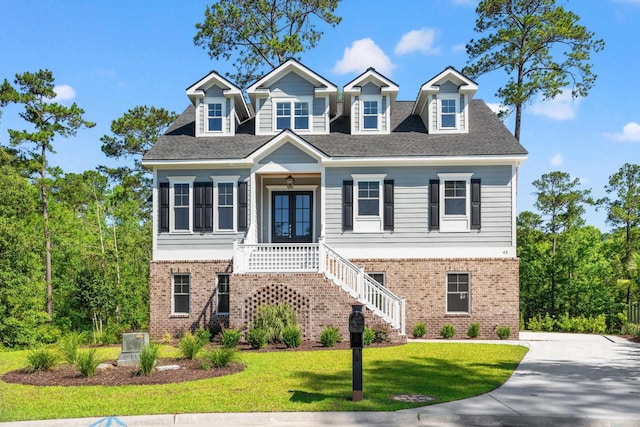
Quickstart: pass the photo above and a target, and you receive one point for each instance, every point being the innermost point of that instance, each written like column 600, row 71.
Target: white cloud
column 64, row 93
column 562, row 107
column 361, row 55
column 459, row 48
column 557, row 160
column 630, row 132
column 421, row 40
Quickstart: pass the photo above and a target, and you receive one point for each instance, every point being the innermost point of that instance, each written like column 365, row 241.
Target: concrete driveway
column 564, row 380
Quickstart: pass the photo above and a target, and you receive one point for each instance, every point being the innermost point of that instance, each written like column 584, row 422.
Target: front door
column 292, row 214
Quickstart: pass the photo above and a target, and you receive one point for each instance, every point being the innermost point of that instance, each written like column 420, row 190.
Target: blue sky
column 111, row 56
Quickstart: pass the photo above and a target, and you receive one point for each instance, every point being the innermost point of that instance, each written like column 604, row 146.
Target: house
column 322, row 198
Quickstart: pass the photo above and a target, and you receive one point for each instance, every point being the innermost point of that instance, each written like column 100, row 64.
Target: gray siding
column 200, row 116
column 411, row 207
column 266, row 115
column 448, row 87
column 383, row 115
column 214, row 92
column 370, row 89
column 287, row 154
column 208, row 240
column 318, row 122
column 291, row 85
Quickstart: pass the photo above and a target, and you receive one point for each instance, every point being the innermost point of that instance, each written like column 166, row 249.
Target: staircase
column 320, row 258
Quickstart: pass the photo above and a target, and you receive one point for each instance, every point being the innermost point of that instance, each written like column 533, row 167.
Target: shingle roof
column 487, row 136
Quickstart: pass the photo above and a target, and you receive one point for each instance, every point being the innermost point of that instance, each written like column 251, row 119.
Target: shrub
column 447, row 331
column 503, row 332
column 47, row 333
column 166, row 338
column 87, row 362
column 189, row 346
column 68, row 346
column 330, row 336
column 273, row 319
column 203, row 335
column 41, row 359
column 230, row 338
column 257, row 338
column 292, row 336
column 382, row 335
column 219, row 357
column 630, row 329
column 419, row 329
column 148, row 358
column 369, row 336
column 473, row 331
column 538, row 323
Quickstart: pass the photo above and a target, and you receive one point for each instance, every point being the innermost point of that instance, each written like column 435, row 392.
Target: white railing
column 320, row 258
column 275, row 258
column 360, row 285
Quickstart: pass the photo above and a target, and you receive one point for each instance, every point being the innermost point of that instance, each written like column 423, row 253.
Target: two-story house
column 322, row 198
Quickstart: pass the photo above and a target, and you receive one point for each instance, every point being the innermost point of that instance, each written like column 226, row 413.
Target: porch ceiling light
column 290, row 182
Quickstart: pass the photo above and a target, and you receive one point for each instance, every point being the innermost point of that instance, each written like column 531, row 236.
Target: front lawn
column 279, row 381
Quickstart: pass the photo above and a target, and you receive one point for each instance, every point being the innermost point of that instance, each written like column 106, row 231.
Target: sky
column 110, row 56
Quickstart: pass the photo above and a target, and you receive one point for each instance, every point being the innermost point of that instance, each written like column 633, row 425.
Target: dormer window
column 448, row 114
column 214, row 117
column 283, row 119
column 370, row 115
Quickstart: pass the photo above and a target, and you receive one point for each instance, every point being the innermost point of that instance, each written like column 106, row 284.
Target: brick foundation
column 320, row 303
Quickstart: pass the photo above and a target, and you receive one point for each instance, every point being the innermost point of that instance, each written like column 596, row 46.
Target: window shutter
column 203, row 206
column 347, row 205
column 475, row 204
column 163, row 223
column 434, row 204
column 388, row 205
column 243, row 211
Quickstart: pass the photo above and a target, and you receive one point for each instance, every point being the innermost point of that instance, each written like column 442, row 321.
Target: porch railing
column 320, row 258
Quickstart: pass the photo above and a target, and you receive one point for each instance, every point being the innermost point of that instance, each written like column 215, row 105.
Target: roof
column 487, row 136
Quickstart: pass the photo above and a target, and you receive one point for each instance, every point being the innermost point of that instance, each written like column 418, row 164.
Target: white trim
column 173, row 180
column 155, row 212
column 435, row 252
column 222, row 313
column 173, row 300
column 323, row 198
column 292, row 102
column 283, row 188
column 231, row 179
column 456, row 114
column 223, row 118
column 455, row 223
column 446, row 290
column 181, row 254
column 368, row 223
column 514, row 205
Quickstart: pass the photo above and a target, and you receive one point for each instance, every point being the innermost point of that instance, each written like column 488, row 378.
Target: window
column 368, row 198
column 458, row 293
column 455, row 197
column 377, row 297
column 181, row 207
column 301, row 111
column 223, row 294
column 378, row 277
column 370, row 115
column 225, row 206
column 214, row 117
column 181, row 290
column 283, row 115
column 448, row 113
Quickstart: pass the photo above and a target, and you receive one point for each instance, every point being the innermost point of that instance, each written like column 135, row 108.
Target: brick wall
column 320, row 303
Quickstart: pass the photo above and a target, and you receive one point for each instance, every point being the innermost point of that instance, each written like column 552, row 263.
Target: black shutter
column 163, row 223
column 203, row 206
column 347, row 205
column 243, row 211
column 388, row 205
column 434, row 204
column 475, row 204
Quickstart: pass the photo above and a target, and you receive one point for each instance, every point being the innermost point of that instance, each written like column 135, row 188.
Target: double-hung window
column 455, row 202
column 181, row 293
column 455, row 197
column 181, row 204
column 292, row 115
column 214, row 117
column 223, row 294
column 448, row 113
column 370, row 114
column 226, row 191
column 458, row 292
column 369, row 198
column 368, row 203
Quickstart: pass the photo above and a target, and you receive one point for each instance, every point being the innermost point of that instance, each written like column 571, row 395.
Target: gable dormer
column 443, row 102
column 293, row 97
column 367, row 100
column 219, row 105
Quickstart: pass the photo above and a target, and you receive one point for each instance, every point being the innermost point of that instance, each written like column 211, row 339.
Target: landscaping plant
column 41, row 359
column 87, row 362
column 419, row 329
column 189, row 345
column 447, row 331
column 474, row 330
column 230, row 338
column 203, row 335
column 369, row 336
column 148, row 358
column 257, row 338
column 330, row 336
column 292, row 336
column 68, row 346
column 503, row 332
column 273, row 319
column 219, row 357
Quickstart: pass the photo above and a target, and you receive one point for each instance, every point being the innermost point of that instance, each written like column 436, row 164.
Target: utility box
column 132, row 344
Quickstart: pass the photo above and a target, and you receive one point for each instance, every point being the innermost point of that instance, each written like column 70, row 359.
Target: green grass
column 279, row 381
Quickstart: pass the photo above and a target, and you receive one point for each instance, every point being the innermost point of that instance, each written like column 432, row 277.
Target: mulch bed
column 190, row 370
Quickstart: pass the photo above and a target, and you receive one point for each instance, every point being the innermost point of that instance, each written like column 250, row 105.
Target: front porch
column 320, row 258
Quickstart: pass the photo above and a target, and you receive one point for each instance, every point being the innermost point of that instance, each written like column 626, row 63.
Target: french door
column 292, row 217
